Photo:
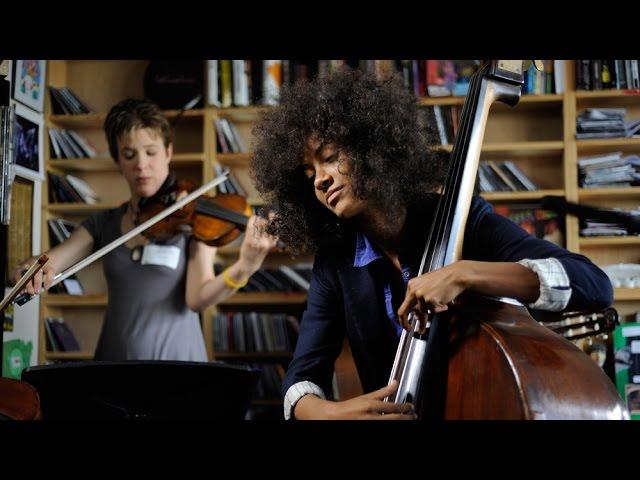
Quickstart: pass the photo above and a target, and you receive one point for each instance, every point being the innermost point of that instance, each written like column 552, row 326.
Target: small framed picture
column 29, row 83
column 28, row 144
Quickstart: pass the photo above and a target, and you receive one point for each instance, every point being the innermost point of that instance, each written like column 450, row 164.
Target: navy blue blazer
column 348, row 300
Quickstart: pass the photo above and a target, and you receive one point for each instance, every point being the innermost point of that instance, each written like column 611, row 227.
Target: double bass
column 487, row 358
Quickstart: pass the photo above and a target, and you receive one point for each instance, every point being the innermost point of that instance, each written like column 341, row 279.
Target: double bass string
column 435, row 246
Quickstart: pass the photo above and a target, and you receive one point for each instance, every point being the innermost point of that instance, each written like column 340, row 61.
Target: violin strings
column 222, row 213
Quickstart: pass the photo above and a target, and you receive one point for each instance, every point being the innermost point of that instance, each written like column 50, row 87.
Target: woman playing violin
column 352, row 179
column 155, row 288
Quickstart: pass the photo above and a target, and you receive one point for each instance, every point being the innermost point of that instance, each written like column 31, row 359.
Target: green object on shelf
column 626, row 346
column 16, row 355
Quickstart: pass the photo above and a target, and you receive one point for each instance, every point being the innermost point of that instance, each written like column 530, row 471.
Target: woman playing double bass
column 154, row 296
column 351, row 176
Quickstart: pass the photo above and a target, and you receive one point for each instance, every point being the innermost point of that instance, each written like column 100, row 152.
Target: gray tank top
column 147, row 318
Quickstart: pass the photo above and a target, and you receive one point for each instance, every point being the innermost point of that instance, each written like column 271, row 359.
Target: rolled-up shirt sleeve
column 555, row 287
column 296, row 392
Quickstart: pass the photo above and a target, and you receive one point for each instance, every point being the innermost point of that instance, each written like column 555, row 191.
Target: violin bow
column 26, row 278
column 24, row 298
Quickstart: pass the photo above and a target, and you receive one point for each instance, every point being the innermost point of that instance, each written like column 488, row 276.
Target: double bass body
column 510, row 367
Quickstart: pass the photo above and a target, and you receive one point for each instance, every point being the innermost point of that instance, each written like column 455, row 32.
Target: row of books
column 445, row 119
column 60, row 229
column 605, row 123
column 546, row 81
column 254, row 332
column 65, row 102
column 258, row 82
column 606, row 74
column 231, row 184
column 244, row 82
column 504, row 176
column 441, row 78
column 59, row 336
column 69, row 144
column 228, row 138
column 536, row 221
column 609, row 170
column 284, row 279
column 70, row 189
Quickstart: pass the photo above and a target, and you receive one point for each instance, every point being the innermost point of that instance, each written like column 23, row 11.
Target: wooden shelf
column 265, row 298
column 596, row 193
column 611, row 93
column 253, row 356
column 87, row 120
column 430, row 101
column 508, row 196
column 547, row 97
column 96, row 120
column 241, row 114
column 106, row 164
column 75, row 301
column 537, row 148
column 97, row 164
column 529, row 147
column 626, row 294
column 459, row 100
column 80, row 208
column 69, row 356
column 234, row 159
column 602, row 143
column 609, row 241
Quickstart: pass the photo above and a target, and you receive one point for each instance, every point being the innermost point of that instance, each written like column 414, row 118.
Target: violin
column 25, row 297
column 216, row 221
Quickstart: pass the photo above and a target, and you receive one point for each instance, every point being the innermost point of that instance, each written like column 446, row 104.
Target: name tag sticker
column 163, row 255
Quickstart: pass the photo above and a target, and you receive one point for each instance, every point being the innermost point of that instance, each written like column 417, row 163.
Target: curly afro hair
column 376, row 122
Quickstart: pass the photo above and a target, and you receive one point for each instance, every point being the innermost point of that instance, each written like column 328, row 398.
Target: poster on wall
column 28, row 143
column 29, row 83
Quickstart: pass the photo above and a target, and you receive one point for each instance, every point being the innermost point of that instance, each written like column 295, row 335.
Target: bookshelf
column 604, row 250
column 538, row 135
column 100, row 84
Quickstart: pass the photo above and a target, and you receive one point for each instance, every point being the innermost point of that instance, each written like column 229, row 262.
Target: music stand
column 153, row 389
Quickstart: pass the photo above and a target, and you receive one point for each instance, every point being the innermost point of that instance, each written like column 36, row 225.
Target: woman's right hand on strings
column 34, row 287
column 370, row 406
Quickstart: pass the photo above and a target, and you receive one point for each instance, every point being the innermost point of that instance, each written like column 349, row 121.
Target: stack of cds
column 605, row 123
column 609, row 170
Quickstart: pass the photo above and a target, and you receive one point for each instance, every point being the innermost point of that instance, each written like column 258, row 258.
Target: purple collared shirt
column 367, row 253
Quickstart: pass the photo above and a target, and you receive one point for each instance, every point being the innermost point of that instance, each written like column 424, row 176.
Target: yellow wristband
column 231, row 283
